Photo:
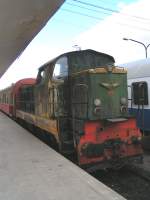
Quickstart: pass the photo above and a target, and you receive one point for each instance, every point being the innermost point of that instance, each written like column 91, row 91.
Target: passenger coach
column 6, row 101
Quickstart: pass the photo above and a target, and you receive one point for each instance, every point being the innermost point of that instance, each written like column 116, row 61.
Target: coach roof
column 138, row 69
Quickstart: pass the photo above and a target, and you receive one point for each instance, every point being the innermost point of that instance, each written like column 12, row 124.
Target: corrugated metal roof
column 20, row 21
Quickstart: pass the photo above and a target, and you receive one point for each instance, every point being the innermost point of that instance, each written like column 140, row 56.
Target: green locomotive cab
column 86, row 84
column 99, row 88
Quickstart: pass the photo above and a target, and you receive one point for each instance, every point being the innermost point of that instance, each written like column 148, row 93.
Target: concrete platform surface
column 30, row 170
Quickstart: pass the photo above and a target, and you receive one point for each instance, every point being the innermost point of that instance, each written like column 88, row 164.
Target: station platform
column 29, row 170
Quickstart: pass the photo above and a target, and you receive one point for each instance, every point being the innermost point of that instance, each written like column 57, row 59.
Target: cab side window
column 60, row 68
column 41, row 76
column 140, row 93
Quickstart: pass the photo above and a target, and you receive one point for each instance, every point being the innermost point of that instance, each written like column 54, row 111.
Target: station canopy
column 20, row 21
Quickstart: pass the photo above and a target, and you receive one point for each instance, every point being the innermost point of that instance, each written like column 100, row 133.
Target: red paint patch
column 98, row 134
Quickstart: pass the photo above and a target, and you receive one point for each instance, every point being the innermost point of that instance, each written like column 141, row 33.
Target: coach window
column 140, row 93
column 61, row 68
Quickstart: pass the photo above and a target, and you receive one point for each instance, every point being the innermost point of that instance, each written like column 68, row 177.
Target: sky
column 98, row 24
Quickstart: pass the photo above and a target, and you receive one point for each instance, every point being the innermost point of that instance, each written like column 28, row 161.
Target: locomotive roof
column 80, row 53
column 138, row 69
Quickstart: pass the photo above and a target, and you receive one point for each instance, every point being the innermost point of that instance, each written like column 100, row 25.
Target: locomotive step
column 68, row 147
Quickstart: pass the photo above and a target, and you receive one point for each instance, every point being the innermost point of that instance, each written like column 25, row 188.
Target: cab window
column 41, row 76
column 60, row 68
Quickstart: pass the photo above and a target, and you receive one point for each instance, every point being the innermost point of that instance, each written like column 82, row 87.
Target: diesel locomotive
column 80, row 100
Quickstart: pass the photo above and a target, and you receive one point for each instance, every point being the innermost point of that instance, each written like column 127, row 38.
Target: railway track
column 131, row 182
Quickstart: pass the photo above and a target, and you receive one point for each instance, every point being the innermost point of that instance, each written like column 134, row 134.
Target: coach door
column 140, row 93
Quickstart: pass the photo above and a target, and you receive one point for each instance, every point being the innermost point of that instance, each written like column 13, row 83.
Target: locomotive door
column 58, row 89
column 59, row 103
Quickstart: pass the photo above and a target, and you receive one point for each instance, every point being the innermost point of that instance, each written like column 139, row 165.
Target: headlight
column 97, row 102
column 123, row 109
column 123, row 101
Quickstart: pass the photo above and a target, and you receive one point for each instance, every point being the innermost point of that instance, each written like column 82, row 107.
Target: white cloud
column 107, row 35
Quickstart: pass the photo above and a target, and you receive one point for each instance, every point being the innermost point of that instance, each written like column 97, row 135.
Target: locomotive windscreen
column 89, row 59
